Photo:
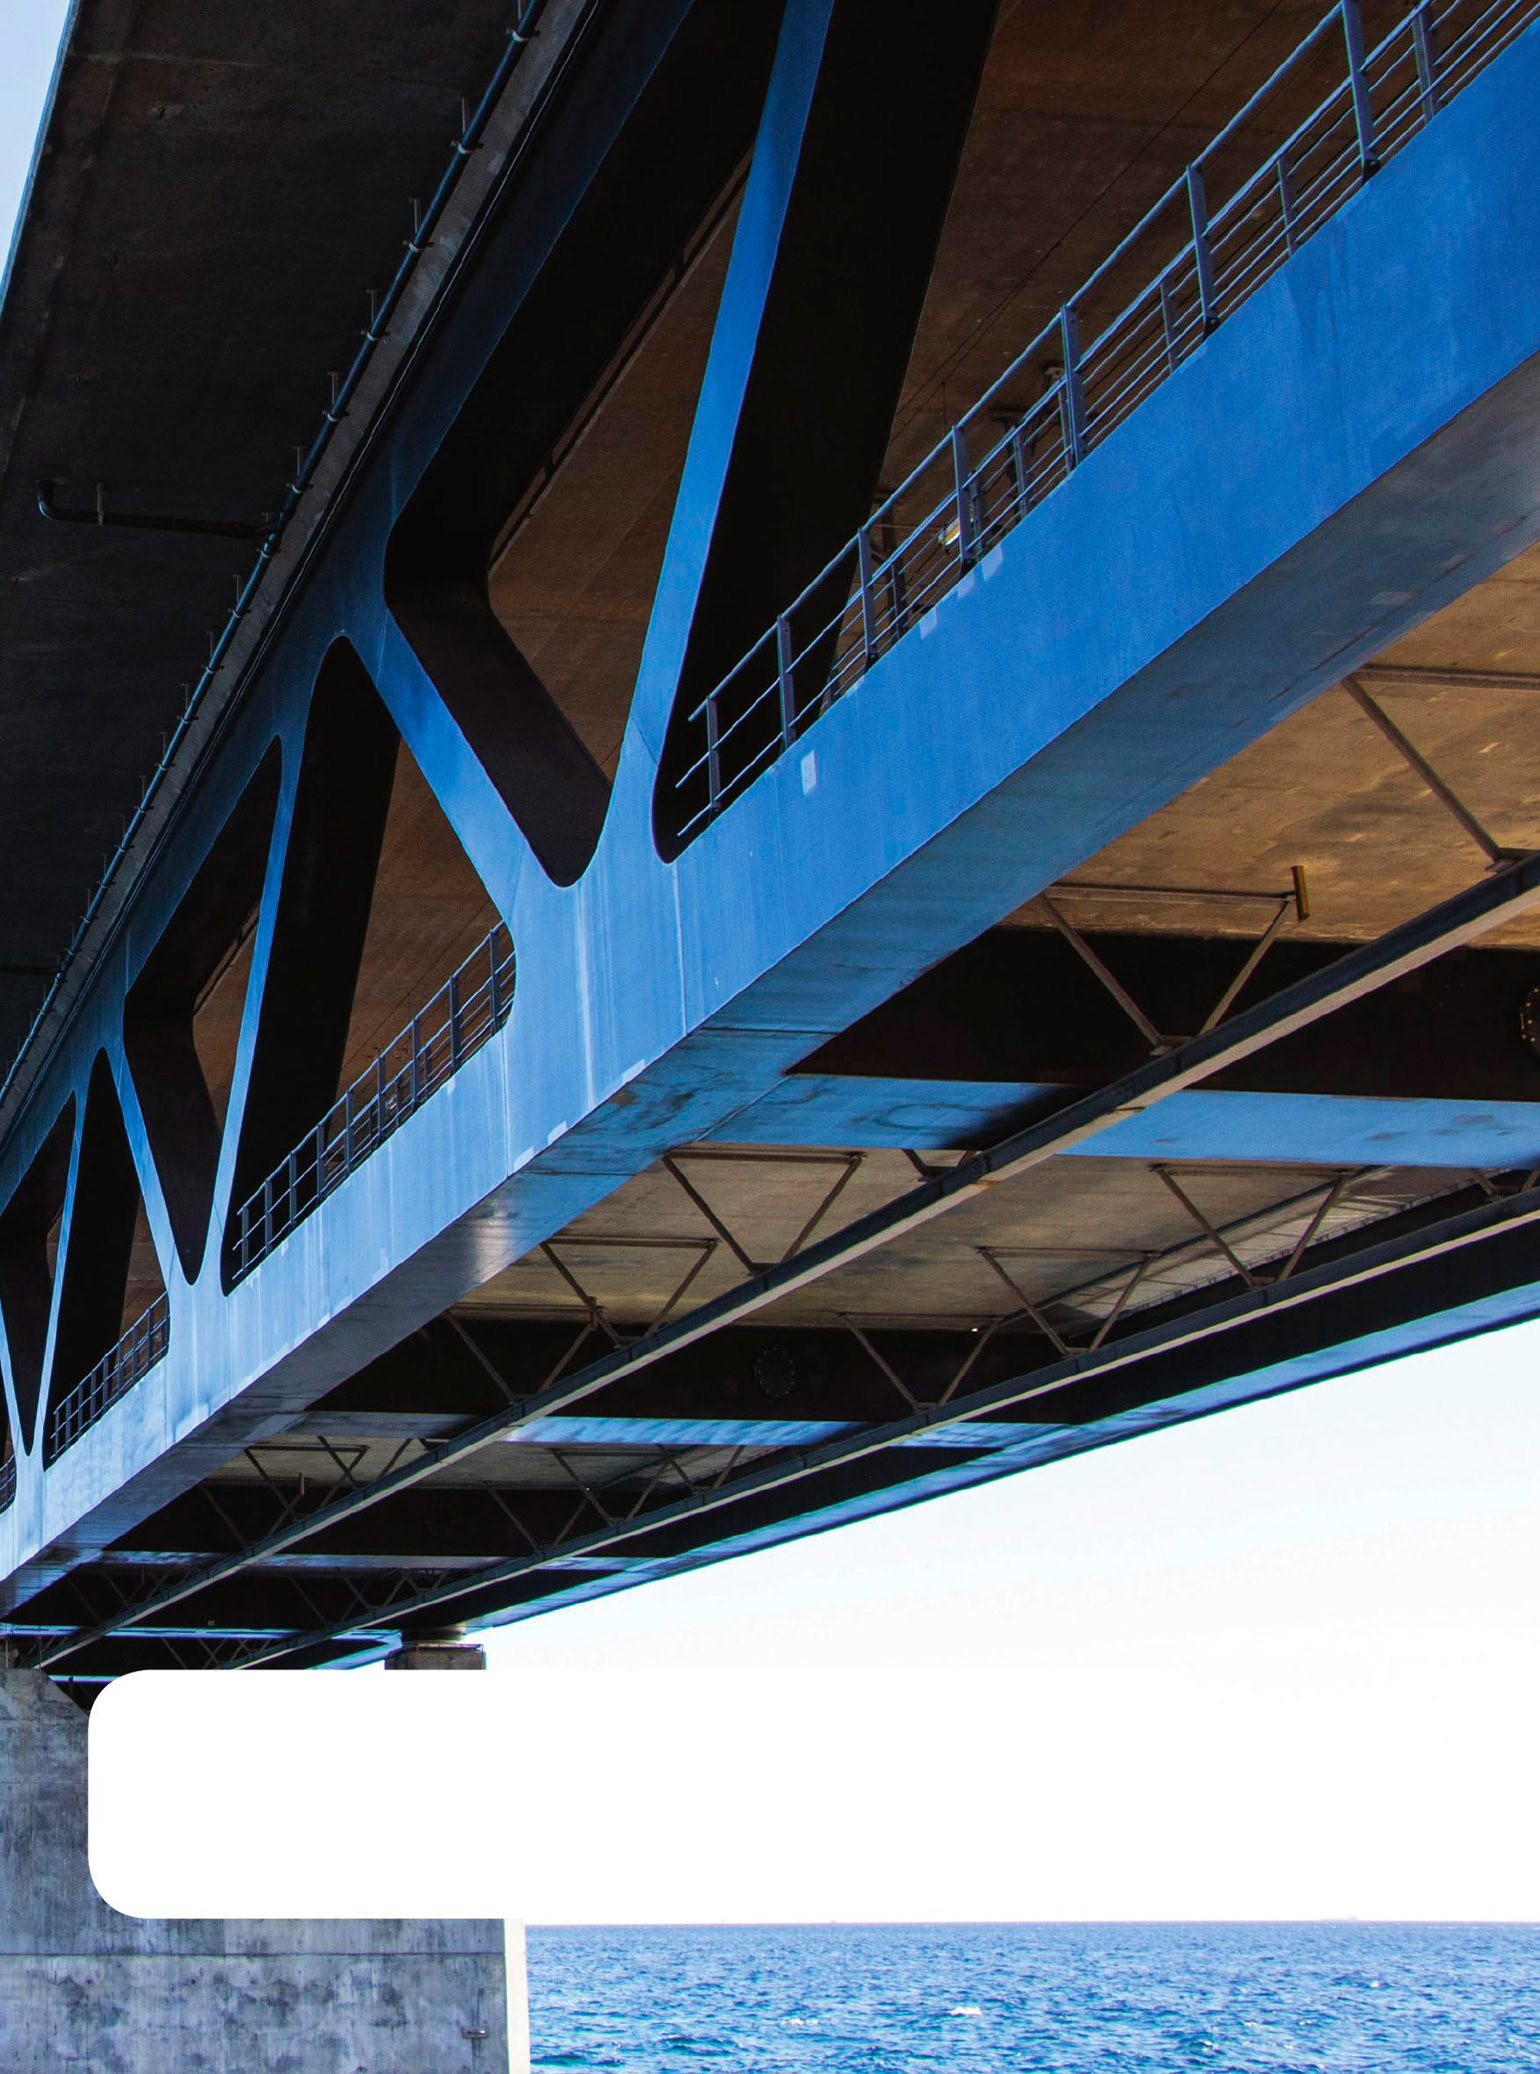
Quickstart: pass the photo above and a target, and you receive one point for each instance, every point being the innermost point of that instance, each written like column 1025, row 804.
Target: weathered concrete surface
column 82, row 1986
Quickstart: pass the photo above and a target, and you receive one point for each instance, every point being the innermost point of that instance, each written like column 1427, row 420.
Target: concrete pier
column 82, row 1986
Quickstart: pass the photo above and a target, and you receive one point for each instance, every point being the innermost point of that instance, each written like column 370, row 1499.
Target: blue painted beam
column 620, row 1431
column 1198, row 1123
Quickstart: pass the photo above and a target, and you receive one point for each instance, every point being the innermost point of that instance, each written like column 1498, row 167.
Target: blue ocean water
column 1348, row 1998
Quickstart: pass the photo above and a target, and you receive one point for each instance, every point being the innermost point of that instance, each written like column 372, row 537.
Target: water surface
column 1350, row 1998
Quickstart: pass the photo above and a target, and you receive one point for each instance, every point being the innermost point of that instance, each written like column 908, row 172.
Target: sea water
column 1318, row 1998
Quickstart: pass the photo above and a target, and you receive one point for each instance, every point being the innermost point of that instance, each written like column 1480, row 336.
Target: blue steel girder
column 1368, row 474
column 984, row 1451
column 1450, row 1276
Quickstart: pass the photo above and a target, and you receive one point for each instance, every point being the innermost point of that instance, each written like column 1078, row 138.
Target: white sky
column 1280, row 1663
column 29, row 37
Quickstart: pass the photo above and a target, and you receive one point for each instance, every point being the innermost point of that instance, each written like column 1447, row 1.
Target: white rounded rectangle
column 304, row 1793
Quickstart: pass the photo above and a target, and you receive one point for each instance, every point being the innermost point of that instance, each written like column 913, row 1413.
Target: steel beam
column 1347, row 979
column 839, row 1479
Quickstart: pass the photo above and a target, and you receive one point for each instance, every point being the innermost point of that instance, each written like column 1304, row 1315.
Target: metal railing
column 134, row 1355
column 7, row 1481
column 472, row 1004
column 1198, row 258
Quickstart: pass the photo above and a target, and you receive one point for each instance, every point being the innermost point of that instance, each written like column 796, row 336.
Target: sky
column 29, row 37
column 1282, row 1662
column 1279, row 1663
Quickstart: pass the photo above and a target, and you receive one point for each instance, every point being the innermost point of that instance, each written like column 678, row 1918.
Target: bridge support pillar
column 82, row 1986
column 438, row 1649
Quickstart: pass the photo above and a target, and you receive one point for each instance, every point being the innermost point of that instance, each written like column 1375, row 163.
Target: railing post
column 1202, row 254
column 1358, row 84
column 1167, row 328
column 1020, row 463
column 784, row 687
column 898, row 583
column 454, row 1021
column 267, row 1214
column 1073, row 394
column 713, row 752
column 1427, row 69
column 967, row 528
column 414, row 1079
column 1286, row 204
column 379, row 1097
column 494, row 982
column 868, row 602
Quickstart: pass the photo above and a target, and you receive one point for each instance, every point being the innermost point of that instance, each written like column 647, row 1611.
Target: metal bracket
column 880, row 1359
column 1038, row 1312
column 1209, row 1229
column 702, row 1251
column 1496, row 853
column 1137, row 1269
column 849, row 1163
column 1294, row 901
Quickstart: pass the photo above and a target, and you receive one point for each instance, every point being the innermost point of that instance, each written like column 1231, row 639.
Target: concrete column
column 82, row 1986
column 437, row 1649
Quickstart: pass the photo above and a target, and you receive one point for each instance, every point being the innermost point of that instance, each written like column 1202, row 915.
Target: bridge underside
column 1123, row 1001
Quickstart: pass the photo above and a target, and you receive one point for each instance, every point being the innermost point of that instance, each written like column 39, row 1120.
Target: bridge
column 759, row 761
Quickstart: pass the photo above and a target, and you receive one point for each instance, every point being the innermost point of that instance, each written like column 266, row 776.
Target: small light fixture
column 1529, row 1020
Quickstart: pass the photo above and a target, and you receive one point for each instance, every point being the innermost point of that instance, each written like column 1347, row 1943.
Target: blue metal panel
column 1197, row 1123
column 1334, row 1130
column 678, row 1433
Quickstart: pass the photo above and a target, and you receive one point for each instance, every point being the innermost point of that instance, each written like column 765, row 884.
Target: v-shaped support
column 854, row 164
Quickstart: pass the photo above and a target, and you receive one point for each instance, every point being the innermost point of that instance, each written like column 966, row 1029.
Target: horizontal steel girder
column 1313, row 996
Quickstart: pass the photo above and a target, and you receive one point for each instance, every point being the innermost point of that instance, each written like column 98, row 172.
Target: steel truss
column 1502, row 895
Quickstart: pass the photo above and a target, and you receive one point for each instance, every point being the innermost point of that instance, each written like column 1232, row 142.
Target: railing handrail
column 1408, row 39
column 109, row 1376
column 372, row 1104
